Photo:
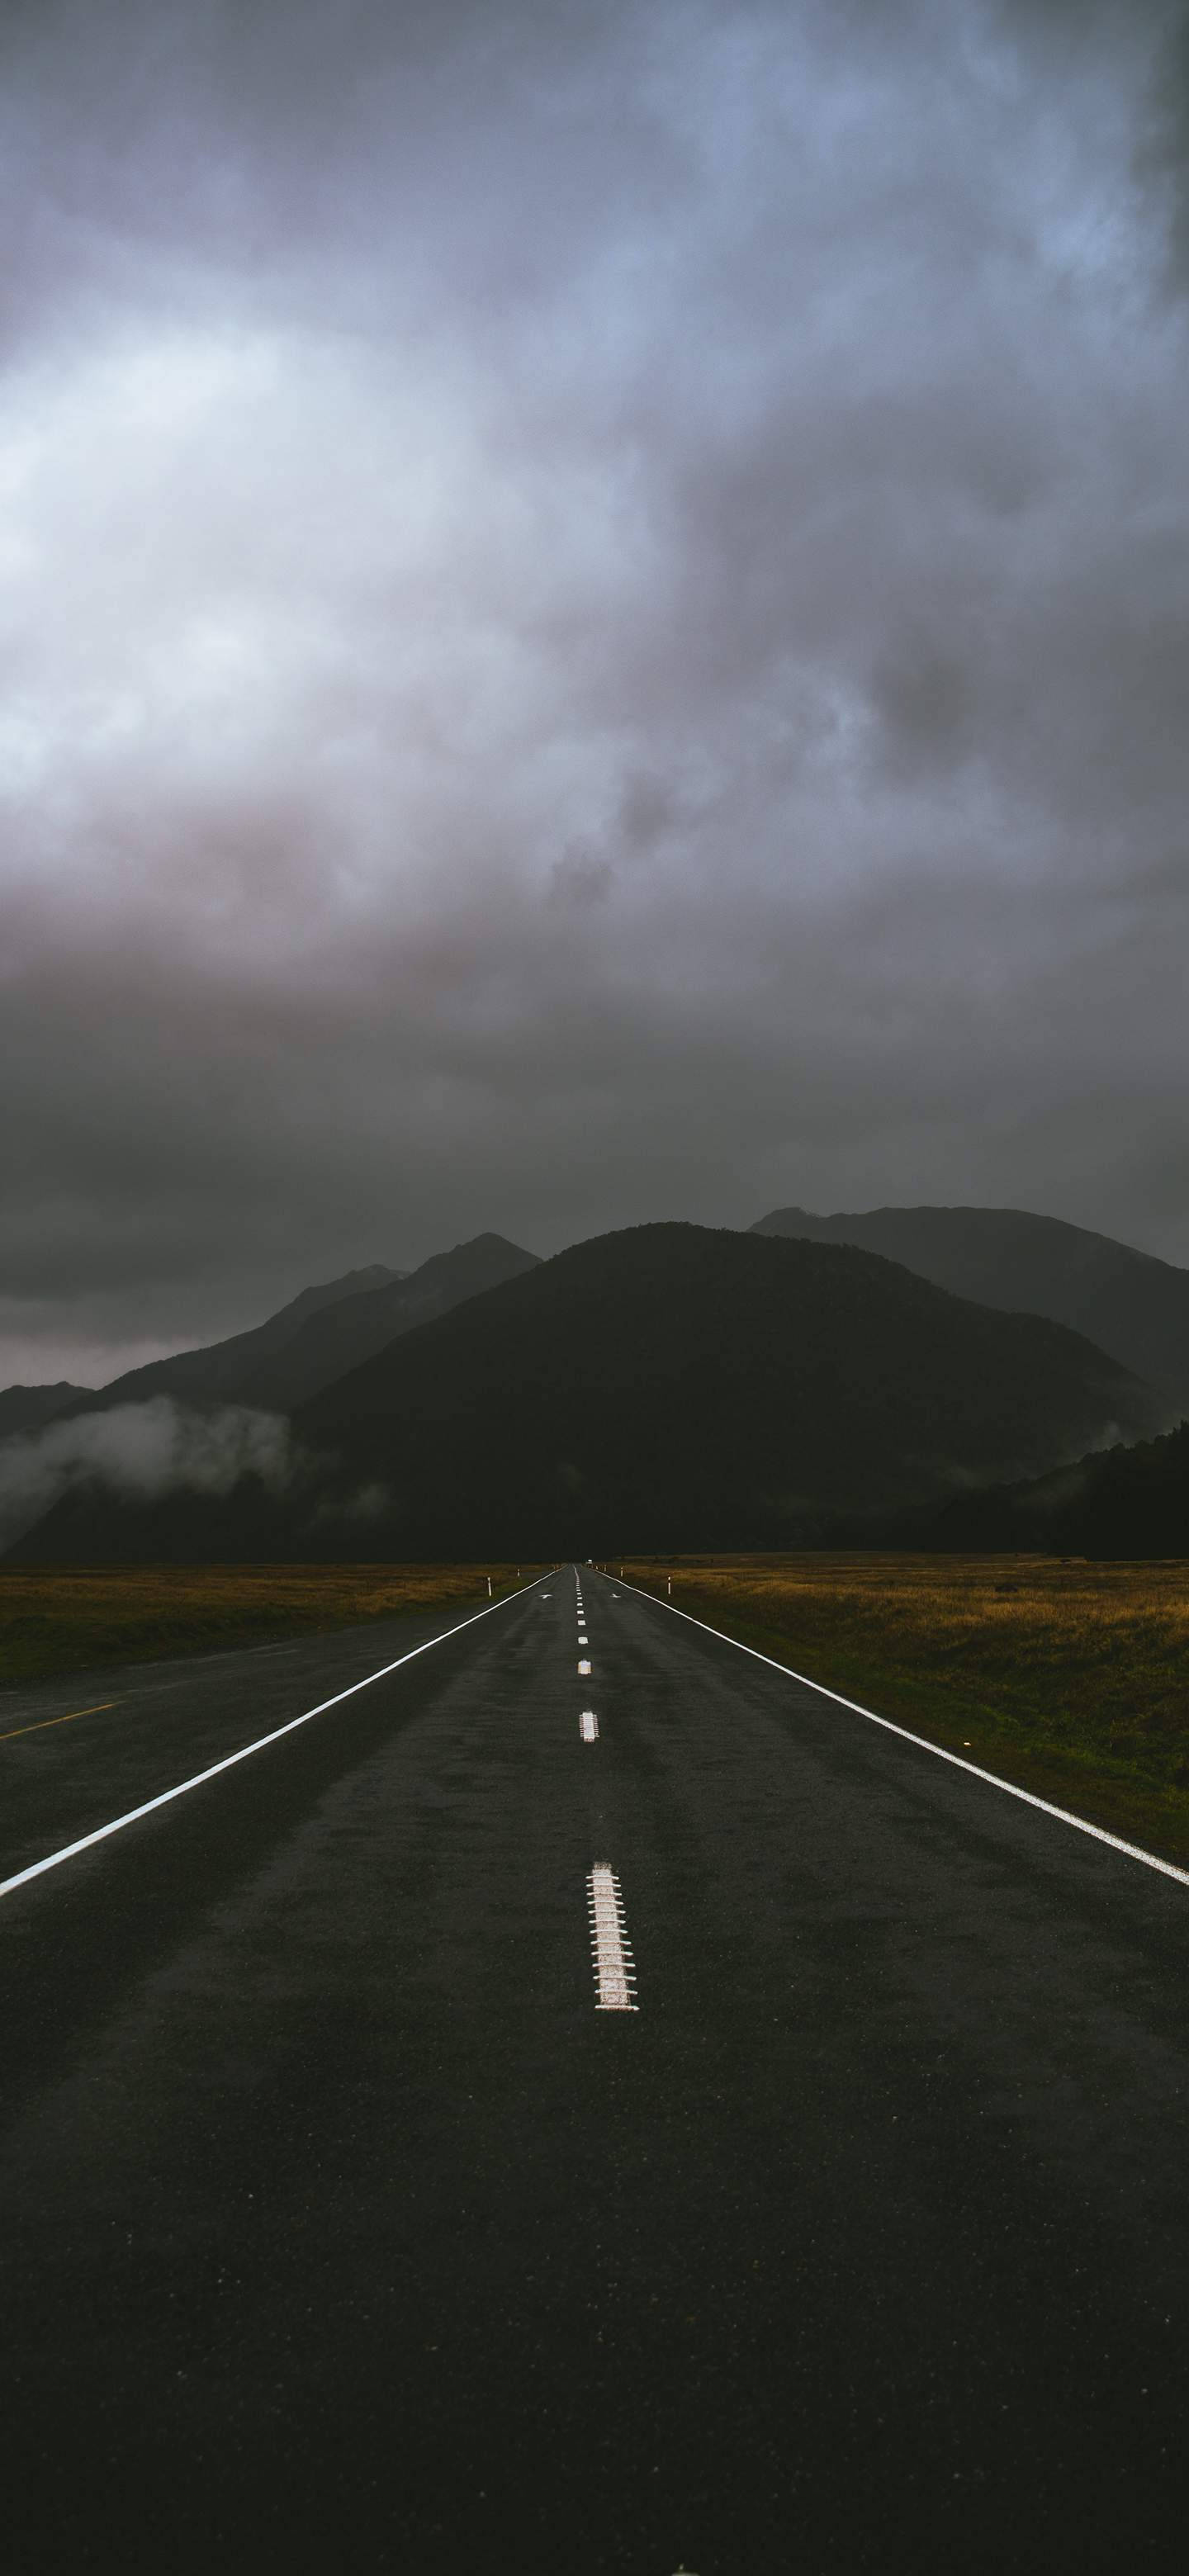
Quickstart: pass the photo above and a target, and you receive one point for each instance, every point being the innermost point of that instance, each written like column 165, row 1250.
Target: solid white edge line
column 37, row 1868
column 1028, row 1797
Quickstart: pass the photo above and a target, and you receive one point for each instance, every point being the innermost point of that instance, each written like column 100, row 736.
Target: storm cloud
column 595, row 626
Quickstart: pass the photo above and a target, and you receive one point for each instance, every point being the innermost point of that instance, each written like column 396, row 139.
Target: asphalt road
column 343, row 2227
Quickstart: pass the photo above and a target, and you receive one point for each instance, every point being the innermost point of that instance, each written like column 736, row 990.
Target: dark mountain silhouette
column 663, row 1387
column 316, row 1337
column 29, row 1408
column 356, row 1327
column 1130, row 1304
column 227, row 1372
column 1116, row 1502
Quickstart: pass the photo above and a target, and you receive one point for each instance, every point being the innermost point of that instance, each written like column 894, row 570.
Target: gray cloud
column 140, row 1452
column 596, row 624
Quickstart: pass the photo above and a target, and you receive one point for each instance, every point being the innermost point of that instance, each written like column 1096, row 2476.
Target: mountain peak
column 665, row 1386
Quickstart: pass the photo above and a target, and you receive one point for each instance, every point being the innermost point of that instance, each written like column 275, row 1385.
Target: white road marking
column 583, row 1668
column 69, row 1851
column 1027, row 1797
column 614, row 1967
column 589, row 1725
column 583, row 1640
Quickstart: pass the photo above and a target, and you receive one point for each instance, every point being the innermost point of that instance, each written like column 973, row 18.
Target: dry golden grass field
column 60, row 1619
column 1071, row 1678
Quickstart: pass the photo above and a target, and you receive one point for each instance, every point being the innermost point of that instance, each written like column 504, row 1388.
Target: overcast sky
column 595, row 625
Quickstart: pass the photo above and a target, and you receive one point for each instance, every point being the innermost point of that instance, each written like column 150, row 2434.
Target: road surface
column 535, row 2119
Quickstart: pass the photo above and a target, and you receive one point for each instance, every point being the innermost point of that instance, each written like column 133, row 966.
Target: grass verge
column 57, row 1620
column 1070, row 1678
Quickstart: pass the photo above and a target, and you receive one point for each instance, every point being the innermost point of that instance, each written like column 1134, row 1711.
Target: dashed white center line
column 614, row 1967
column 589, row 1725
column 584, row 1667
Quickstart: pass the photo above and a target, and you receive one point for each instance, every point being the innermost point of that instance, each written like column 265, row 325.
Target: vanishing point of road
column 582, row 2101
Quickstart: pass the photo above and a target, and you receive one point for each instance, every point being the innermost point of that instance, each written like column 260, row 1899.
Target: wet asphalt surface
column 341, row 2228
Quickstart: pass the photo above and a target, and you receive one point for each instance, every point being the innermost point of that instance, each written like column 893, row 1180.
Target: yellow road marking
column 58, row 1721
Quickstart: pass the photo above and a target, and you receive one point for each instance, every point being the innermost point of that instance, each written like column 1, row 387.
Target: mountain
column 664, row 1387
column 228, row 1372
column 355, row 1328
column 1120, row 1502
column 29, row 1408
column 1130, row 1304
column 315, row 1337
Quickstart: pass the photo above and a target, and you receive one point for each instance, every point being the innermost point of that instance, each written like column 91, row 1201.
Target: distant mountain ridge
column 30, row 1408
column 667, row 1386
column 1127, row 1302
column 357, row 1327
column 224, row 1372
column 289, row 1357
